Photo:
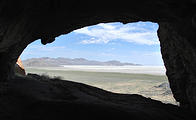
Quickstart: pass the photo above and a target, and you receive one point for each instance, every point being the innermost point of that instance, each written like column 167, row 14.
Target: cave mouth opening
column 121, row 58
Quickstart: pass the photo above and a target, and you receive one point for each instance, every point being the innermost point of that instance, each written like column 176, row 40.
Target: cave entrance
column 121, row 58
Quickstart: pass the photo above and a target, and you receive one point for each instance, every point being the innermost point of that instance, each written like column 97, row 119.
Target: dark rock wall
column 178, row 52
column 23, row 21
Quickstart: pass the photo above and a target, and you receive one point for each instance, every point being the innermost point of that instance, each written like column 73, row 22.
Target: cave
column 23, row 22
column 97, row 56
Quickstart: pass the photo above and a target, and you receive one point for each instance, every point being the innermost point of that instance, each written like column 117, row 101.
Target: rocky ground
column 37, row 97
column 160, row 92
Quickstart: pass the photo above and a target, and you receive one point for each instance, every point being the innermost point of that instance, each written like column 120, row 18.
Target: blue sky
column 132, row 42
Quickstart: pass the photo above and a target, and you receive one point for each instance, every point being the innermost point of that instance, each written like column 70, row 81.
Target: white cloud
column 133, row 33
column 46, row 48
column 153, row 54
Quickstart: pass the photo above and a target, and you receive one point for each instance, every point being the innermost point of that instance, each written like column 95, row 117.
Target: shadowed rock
column 37, row 97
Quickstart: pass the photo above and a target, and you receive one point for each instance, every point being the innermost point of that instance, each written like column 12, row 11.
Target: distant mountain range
column 60, row 61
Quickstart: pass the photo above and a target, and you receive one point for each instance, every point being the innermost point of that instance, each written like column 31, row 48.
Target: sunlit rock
column 19, row 68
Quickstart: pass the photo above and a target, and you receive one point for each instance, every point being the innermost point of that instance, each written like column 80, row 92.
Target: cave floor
column 37, row 97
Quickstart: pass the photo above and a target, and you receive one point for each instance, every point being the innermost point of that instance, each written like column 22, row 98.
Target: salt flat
column 152, row 70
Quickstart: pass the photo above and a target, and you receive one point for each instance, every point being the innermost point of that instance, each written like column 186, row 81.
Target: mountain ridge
column 60, row 61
